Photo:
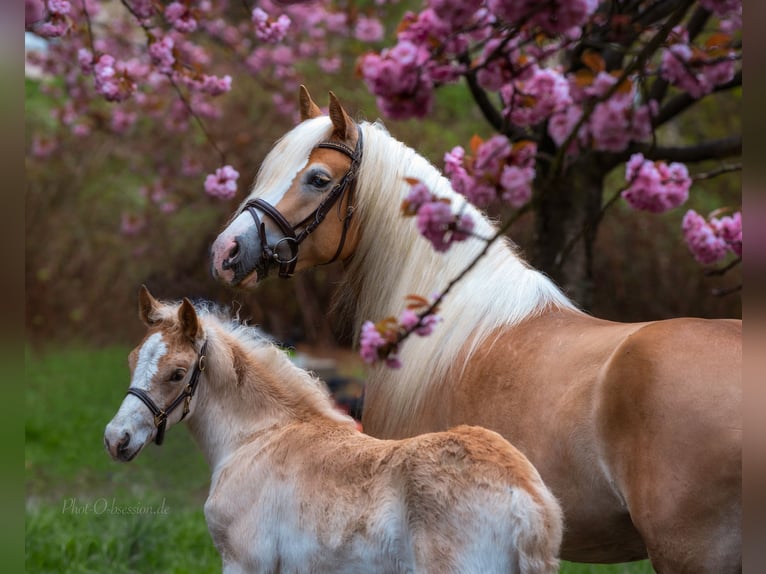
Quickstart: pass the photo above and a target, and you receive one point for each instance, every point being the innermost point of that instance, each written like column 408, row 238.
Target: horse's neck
column 241, row 399
column 393, row 261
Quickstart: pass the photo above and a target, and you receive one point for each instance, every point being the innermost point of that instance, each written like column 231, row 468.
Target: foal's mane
column 271, row 372
column 392, row 260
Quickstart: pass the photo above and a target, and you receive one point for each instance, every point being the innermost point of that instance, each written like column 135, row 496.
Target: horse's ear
column 187, row 317
column 342, row 124
column 309, row 109
column 147, row 306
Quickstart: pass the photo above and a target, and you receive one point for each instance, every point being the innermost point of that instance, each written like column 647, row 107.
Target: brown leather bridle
column 293, row 239
column 161, row 415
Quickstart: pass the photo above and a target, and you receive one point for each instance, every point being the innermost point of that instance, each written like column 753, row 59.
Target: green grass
column 88, row 514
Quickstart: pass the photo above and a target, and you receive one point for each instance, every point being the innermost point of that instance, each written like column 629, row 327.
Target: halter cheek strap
column 161, row 415
column 291, row 238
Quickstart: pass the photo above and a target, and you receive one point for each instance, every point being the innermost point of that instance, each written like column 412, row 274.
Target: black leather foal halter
column 293, row 239
column 161, row 415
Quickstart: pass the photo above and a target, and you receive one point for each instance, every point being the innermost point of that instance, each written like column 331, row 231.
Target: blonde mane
column 274, row 381
column 392, row 260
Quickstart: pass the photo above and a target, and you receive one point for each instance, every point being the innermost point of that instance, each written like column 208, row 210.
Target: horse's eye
column 319, row 180
column 177, row 375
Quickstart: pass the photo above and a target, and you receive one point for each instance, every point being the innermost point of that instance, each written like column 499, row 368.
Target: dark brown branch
column 718, row 171
column 723, row 270
column 681, row 102
column 715, row 149
column 656, row 12
column 431, row 309
column 726, row 291
column 490, row 112
column 637, row 63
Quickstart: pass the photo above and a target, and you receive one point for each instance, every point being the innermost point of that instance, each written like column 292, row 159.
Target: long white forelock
column 288, row 157
column 147, row 364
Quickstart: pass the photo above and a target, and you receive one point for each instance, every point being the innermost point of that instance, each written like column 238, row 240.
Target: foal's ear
column 147, row 306
column 342, row 124
column 309, row 109
column 187, row 317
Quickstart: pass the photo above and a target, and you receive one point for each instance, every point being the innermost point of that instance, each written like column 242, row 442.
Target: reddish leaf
column 476, row 141
column 594, row 61
column 583, row 78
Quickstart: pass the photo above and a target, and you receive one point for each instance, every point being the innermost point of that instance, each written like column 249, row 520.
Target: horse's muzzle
column 232, row 260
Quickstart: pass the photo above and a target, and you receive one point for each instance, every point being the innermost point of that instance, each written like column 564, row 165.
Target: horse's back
column 670, row 422
column 474, row 477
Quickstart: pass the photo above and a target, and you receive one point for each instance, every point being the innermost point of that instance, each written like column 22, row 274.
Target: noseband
column 293, row 239
column 161, row 415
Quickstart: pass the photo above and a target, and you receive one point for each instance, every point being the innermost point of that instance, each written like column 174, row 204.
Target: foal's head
column 165, row 369
column 299, row 213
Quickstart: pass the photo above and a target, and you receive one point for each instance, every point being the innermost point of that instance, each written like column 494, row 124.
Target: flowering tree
column 573, row 90
column 163, row 67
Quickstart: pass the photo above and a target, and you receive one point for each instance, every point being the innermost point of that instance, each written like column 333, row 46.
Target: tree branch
column 679, row 103
column 636, row 64
column 715, row 149
column 695, row 25
column 491, row 114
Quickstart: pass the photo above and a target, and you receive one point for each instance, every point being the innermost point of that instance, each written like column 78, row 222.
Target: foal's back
column 322, row 497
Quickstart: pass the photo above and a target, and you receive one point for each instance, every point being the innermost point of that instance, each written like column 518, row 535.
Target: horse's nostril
column 124, row 442
column 232, row 257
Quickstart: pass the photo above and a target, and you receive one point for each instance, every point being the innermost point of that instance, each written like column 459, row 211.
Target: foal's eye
column 319, row 180
column 177, row 375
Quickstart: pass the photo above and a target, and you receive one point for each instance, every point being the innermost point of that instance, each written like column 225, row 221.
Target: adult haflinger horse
column 636, row 428
column 297, row 488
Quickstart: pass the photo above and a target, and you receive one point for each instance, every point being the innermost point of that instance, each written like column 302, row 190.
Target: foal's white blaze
column 133, row 418
column 148, row 361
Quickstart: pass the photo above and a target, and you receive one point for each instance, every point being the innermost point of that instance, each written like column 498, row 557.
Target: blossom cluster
column 497, row 169
column 698, row 70
column 380, row 341
column 145, row 60
column 713, row 238
column 434, row 217
column 222, row 183
column 655, row 186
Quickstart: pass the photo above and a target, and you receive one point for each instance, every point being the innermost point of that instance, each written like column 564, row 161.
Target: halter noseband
column 269, row 253
column 161, row 415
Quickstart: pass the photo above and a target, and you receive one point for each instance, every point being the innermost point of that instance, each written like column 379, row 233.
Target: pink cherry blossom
column 722, row 7
column 655, row 186
column 179, row 15
column 491, row 155
column 368, row 29
column 268, row 29
column 531, row 101
column 516, row 183
column 223, row 183
column 112, row 79
column 370, row 341
column 558, row 17
column 694, row 70
column 59, row 7
column 702, row 240
column 161, row 52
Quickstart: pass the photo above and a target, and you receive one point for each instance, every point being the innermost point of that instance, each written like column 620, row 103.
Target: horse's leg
column 671, row 427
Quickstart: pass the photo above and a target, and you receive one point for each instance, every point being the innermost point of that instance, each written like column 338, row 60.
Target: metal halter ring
column 293, row 250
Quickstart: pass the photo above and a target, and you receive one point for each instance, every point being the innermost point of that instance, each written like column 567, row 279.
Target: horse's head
column 165, row 369
column 299, row 213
